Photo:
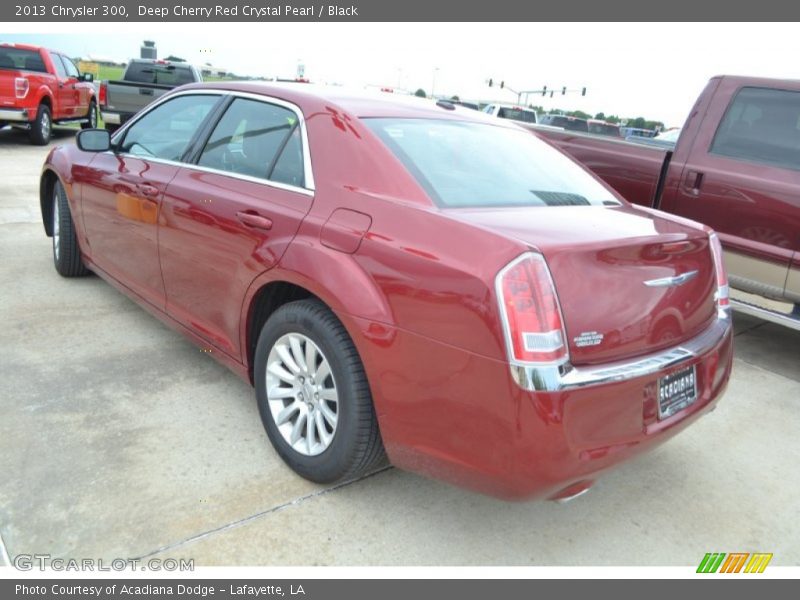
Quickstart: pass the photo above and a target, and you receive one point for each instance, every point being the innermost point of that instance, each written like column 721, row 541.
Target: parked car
column 566, row 123
column 40, row 87
column 509, row 111
column 599, row 127
column 637, row 132
column 396, row 274
column 735, row 167
column 143, row 81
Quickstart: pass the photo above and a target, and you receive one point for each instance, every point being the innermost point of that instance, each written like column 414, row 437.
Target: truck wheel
column 66, row 252
column 313, row 394
column 42, row 127
column 91, row 117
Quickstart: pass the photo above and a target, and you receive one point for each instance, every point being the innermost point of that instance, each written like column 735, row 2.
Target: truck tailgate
column 127, row 97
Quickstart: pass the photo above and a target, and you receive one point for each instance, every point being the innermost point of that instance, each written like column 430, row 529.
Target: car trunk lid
column 629, row 281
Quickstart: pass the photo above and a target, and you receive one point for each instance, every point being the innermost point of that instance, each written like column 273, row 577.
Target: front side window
column 257, row 139
column 761, row 125
column 165, row 131
column 465, row 164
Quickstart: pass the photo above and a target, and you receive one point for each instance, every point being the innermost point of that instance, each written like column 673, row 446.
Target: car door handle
column 253, row 219
column 148, row 190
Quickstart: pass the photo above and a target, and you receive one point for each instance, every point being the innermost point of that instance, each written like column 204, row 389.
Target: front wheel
column 91, row 117
column 313, row 394
column 66, row 252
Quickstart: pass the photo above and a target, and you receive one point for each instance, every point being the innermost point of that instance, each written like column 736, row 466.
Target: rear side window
column 165, row 131
column 159, row 73
column 761, row 125
column 466, row 164
column 21, row 60
column 257, row 139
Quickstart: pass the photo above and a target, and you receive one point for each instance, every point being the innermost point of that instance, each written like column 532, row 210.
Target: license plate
column 676, row 391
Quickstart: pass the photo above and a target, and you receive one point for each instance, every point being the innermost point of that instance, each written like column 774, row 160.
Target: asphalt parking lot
column 120, row 439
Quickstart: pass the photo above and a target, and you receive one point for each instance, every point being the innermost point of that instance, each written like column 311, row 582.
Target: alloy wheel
column 302, row 394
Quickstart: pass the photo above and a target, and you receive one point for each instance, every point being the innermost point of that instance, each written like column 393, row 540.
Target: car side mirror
column 94, row 140
column 87, row 77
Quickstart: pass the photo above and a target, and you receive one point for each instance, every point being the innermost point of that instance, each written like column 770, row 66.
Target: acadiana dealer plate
column 676, row 391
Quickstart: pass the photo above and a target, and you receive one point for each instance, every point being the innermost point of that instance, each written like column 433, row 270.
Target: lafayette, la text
column 254, row 11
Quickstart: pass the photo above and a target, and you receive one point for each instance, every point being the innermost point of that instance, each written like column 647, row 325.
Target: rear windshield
column 162, row 74
column 517, row 114
column 21, row 60
column 464, row 164
column 568, row 124
column 604, row 129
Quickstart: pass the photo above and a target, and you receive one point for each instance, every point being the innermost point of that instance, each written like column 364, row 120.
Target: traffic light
column 490, row 82
column 564, row 91
column 551, row 93
column 544, row 91
column 502, row 84
column 583, row 92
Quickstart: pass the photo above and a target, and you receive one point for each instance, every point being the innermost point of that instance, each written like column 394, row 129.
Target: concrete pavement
column 121, row 439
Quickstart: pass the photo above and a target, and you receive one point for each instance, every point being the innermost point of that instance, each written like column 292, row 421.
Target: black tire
column 111, row 128
column 66, row 252
column 42, row 127
column 91, row 117
column 356, row 446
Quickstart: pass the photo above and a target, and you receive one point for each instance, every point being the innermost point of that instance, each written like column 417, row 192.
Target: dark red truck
column 736, row 168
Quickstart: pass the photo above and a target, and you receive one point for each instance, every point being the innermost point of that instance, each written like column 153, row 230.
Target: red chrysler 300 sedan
column 404, row 279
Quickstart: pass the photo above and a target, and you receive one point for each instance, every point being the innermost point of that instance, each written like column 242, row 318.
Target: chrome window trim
column 308, row 173
column 566, row 377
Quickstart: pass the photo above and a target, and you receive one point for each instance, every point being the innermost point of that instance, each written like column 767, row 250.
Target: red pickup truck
column 40, row 87
column 736, row 168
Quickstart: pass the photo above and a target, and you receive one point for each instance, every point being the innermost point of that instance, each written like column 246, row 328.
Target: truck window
column 18, row 59
column 517, row 114
column 61, row 70
column 72, row 70
column 159, row 73
column 761, row 125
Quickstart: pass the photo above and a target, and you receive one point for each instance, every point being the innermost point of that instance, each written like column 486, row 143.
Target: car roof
column 356, row 102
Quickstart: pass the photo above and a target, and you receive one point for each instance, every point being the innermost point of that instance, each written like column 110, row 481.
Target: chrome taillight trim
column 566, row 377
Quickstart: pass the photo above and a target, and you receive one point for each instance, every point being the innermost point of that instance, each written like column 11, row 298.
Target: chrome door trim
column 309, row 187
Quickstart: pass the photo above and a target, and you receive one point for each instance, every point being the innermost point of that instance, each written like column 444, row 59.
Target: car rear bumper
column 14, row 115
column 454, row 415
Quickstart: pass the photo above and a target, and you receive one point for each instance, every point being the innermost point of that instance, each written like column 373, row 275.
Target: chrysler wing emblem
column 671, row 281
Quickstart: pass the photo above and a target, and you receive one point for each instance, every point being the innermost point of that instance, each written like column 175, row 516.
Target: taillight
column 21, row 87
column 103, row 93
column 723, row 295
column 531, row 315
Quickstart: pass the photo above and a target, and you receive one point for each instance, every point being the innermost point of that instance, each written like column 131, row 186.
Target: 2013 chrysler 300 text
column 402, row 275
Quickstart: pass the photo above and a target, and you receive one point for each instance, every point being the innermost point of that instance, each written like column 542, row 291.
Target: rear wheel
column 313, row 394
column 66, row 252
column 91, row 117
column 42, row 127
